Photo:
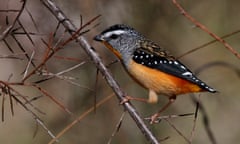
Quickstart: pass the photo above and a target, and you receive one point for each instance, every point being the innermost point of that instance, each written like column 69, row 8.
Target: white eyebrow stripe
column 116, row 32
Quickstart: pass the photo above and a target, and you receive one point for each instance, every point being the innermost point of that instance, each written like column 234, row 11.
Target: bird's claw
column 125, row 99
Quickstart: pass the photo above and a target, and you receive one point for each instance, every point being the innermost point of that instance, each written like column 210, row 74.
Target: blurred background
column 158, row 20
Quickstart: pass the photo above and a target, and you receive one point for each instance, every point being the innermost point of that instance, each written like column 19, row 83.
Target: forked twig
column 77, row 120
column 204, row 28
column 9, row 29
column 10, row 91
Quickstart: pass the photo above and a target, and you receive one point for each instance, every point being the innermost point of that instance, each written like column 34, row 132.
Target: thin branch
column 205, row 120
column 117, row 127
column 52, row 98
column 28, row 65
column 9, row 29
column 204, row 28
column 51, row 75
column 160, row 118
column 10, row 10
column 11, row 90
column 31, row 17
column 45, row 59
column 207, row 44
column 194, row 120
column 8, row 46
column 67, row 58
column 219, row 63
column 26, row 32
column 77, row 120
column 3, row 100
column 60, row 76
column 50, row 51
column 178, row 131
column 22, row 49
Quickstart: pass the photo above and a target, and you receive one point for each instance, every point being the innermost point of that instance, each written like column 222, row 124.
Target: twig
column 67, row 58
column 169, row 117
column 202, row 109
column 11, row 95
column 9, row 29
column 61, row 77
column 52, row 98
column 207, row 44
column 205, row 121
column 195, row 119
column 178, row 131
column 117, row 128
column 8, row 46
column 96, row 90
column 22, row 49
column 99, row 64
column 26, row 32
column 51, row 75
column 50, row 51
column 218, row 63
column 3, row 100
column 9, row 10
column 31, row 17
column 204, row 28
column 28, row 65
column 77, row 120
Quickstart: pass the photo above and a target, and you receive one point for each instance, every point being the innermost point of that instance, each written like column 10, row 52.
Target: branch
column 208, row 43
column 99, row 64
column 9, row 29
column 204, row 28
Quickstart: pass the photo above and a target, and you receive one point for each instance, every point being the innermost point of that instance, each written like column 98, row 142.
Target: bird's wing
column 157, row 58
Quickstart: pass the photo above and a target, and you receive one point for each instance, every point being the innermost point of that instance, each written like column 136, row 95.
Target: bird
column 151, row 65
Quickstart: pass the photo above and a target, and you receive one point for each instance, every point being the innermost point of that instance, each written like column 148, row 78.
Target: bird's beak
column 98, row 38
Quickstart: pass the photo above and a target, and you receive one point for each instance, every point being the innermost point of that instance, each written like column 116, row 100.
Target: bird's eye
column 114, row 36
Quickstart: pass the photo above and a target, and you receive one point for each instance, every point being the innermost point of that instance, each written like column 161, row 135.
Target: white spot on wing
column 176, row 63
column 210, row 89
column 187, row 74
column 183, row 67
